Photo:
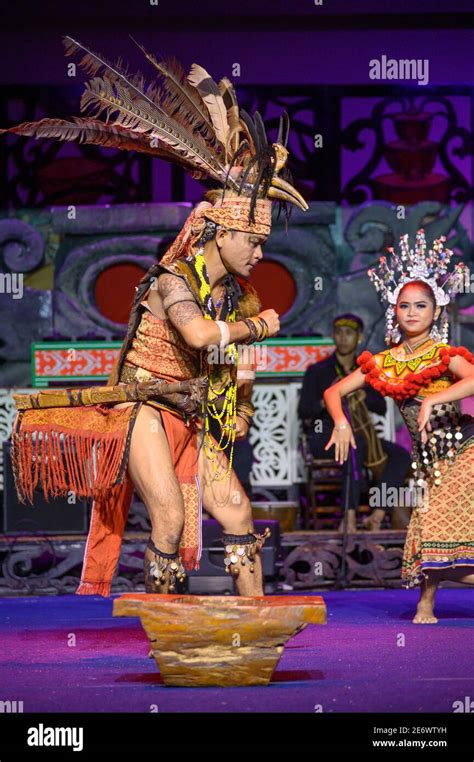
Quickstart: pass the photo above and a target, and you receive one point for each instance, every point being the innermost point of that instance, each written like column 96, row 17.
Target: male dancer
column 195, row 303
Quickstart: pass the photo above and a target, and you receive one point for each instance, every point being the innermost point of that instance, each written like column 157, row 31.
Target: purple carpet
column 368, row 658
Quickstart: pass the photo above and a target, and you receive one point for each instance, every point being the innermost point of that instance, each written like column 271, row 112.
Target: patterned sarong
column 441, row 531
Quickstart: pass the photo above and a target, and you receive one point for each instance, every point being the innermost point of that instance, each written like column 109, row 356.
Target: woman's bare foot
column 425, row 609
column 373, row 522
column 425, row 613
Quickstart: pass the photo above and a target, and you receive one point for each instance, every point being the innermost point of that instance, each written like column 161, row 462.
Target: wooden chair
column 324, row 477
column 323, row 480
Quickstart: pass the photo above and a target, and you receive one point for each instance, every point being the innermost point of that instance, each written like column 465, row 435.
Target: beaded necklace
column 220, row 402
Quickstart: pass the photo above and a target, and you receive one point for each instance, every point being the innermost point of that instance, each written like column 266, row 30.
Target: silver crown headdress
column 418, row 264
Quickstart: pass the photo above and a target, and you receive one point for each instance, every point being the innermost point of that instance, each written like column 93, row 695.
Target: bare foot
column 371, row 525
column 373, row 522
column 425, row 613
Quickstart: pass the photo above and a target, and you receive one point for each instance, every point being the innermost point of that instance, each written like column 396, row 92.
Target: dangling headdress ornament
column 418, row 264
column 187, row 120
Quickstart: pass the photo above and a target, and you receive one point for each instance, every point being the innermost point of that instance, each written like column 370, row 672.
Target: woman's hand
column 424, row 415
column 342, row 436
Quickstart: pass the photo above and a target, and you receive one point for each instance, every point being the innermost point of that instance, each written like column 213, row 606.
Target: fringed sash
column 80, row 450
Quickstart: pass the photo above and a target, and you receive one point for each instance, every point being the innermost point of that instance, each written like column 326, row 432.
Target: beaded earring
column 392, row 333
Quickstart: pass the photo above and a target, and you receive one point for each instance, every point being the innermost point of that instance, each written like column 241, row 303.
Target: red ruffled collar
column 412, row 382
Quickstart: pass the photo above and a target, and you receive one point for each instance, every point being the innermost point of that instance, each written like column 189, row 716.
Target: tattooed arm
column 179, row 304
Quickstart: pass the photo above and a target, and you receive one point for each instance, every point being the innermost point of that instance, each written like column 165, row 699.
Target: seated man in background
column 387, row 461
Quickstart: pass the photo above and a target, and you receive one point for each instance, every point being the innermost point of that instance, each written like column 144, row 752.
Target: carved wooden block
column 220, row 640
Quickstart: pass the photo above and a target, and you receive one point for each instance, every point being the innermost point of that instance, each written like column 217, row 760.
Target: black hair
column 425, row 287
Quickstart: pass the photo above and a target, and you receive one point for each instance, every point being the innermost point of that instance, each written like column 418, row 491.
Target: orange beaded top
column 400, row 374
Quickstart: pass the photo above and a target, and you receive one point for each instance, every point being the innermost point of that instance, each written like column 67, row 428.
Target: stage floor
column 368, row 658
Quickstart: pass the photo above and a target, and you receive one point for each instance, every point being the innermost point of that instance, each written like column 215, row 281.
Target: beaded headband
column 350, row 323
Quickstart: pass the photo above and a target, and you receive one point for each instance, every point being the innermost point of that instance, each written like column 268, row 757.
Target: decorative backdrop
column 67, row 256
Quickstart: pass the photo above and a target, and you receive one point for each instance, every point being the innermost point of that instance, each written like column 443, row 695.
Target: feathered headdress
column 418, row 264
column 188, row 120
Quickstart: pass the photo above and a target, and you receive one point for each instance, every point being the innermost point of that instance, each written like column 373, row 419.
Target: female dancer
column 426, row 377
